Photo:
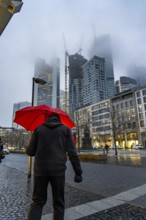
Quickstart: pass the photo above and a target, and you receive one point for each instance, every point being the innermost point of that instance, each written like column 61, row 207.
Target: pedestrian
column 106, row 147
column 1, row 150
column 50, row 143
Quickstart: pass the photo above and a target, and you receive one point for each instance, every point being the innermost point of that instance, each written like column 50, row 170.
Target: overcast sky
column 37, row 31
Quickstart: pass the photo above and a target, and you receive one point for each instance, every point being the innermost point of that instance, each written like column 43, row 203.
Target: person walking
column 50, row 144
column 106, row 147
column 1, row 150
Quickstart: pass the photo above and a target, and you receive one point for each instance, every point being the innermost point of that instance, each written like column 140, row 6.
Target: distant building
column 102, row 47
column 125, row 83
column 16, row 107
column 49, row 93
column 76, row 62
column 94, row 81
column 138, row 73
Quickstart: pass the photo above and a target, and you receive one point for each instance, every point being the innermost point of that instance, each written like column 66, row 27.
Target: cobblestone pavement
column 99, row 181
column 16, row 190
column 121, row 212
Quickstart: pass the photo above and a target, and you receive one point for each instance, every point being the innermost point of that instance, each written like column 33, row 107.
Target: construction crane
column 80, row 46
column 66, row 75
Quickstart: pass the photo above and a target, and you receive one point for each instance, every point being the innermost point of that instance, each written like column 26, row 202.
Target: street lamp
column 41, row 82
column 7, row 10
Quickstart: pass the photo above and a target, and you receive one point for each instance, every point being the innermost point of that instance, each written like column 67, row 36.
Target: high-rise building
column 50, row 92
column 102, row 47
column 75, row 82
column 94, row 81
column 138, row 73
column 125, row 83
column 16, row 107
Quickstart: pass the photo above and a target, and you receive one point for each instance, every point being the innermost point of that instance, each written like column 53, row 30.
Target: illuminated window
column 142, row 123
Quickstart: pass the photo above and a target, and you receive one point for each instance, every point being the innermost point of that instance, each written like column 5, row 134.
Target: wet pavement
column 122, row 212
column 100, row 180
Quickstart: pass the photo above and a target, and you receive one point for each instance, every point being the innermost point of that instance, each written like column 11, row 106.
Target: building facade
column 140, row 95
column 124, row 115
column 94, row 81
column 76, row 62
column 49, row 93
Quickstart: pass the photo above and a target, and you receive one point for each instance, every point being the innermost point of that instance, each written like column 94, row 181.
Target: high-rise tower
column 94, row 81
column 50, row 92
column 75, row 82
column 102, row 48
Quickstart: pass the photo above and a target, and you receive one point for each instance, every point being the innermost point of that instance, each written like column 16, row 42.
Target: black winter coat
column 50, row 143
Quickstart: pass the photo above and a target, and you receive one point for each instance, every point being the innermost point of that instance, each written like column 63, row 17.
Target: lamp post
column 41, row 82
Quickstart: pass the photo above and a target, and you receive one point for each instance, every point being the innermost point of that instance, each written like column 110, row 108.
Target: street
column 102, row 182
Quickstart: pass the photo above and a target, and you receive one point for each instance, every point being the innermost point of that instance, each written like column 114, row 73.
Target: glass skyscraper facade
column 102, row 48
column 75, row 82
column 94, row 81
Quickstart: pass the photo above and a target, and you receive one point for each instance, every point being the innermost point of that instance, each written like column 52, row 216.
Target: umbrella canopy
column 32, row 117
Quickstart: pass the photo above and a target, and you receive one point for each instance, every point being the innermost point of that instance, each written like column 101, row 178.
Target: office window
column 139, row 101
column 126, row 104
column 131, row 103
column 144, row 92
column 138, row 94
column 142, row 123
column 122, row 105
column 140, row 115
column 140, row 108
column 144, row 99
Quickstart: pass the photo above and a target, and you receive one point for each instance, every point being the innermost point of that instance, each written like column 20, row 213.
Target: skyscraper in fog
column 102, row 47
column 125, row 83
column 94, row 81
column 50, row 92
column 138, row 73
column 75, row 82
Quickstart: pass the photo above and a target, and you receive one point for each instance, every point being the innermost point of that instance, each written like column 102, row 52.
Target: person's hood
column 53, row 122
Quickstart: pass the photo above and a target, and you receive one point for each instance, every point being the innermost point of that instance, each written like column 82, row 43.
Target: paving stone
column 16, row 191
column 122, row 212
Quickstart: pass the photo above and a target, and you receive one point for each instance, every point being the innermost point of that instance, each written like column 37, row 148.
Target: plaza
column 114, row 189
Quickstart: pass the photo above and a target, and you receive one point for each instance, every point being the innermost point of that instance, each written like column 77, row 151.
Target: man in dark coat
column 50, row 144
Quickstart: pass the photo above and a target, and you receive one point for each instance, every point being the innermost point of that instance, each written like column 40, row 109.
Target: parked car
column 137, row 146
column 6, row 151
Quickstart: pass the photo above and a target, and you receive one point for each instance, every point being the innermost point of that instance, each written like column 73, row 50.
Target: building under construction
column 75, row 82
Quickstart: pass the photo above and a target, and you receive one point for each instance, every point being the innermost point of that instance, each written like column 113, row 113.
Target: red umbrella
column 32, row 117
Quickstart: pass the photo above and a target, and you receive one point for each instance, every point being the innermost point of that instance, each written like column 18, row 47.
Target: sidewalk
column 107, row 192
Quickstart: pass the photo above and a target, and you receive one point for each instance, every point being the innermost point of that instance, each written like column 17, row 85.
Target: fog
column 37, row 31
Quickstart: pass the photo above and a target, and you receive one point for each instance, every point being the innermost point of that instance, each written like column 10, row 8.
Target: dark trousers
column 40, row 197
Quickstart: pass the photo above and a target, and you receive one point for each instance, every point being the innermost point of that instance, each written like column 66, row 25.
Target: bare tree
column 120, row 122
column 17, row 138
column 81, row 121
